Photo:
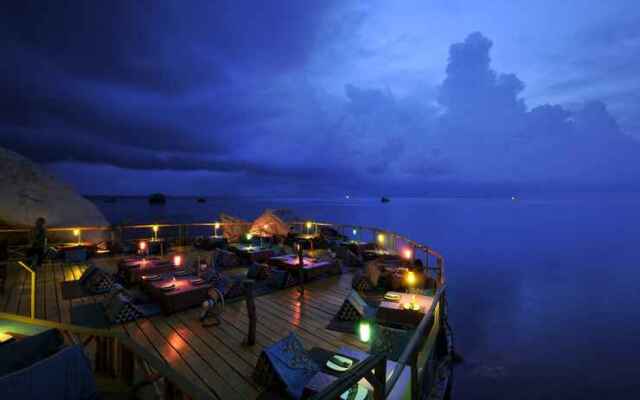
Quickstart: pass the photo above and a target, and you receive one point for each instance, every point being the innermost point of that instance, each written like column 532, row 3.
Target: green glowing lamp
column 364, row 331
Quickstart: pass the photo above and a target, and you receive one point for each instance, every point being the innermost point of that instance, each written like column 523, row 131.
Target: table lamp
column 364, row 331
column 142, row 246
column 411, row 281
column 177, row 260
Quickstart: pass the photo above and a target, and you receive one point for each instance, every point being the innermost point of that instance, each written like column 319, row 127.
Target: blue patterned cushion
column 291, row 364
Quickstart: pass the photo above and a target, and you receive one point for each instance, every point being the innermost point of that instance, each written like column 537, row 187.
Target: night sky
column 326, row 97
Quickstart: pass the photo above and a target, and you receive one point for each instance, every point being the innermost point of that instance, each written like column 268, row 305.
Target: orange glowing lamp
column 411, row 278
column 76, row 233
column 177, row 260
column 142, row 246
column 407, row 254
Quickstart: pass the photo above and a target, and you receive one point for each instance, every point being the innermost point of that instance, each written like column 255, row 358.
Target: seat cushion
column 23, row 353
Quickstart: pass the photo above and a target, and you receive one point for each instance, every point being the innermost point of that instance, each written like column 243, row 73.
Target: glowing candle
column 142, row 246
column 380, row 238
column 76, row 233
column 407, row 253
column 411, row 278
column 177, row 260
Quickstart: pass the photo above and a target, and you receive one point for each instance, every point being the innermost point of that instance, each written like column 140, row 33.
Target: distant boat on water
column 157, row 198
column 201, row 200
column 384, row 199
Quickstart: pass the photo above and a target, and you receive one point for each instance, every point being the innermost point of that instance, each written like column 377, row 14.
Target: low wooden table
column 384, row 254
column 184, row 296
column 75, row 252
column 132, row 269
column 252, row 253
column 394, row 313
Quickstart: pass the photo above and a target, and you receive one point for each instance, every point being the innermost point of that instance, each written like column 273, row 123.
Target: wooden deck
column 214, row 357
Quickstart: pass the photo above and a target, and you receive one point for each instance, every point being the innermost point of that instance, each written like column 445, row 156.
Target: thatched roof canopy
column 233, row 228
column 269, row 224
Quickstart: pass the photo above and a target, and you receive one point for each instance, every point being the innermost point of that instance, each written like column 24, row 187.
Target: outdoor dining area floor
column 214, row 357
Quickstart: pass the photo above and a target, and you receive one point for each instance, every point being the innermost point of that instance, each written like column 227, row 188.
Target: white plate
column 361, row 395
column 338, row 368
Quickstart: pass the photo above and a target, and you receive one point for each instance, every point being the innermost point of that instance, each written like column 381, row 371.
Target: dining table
column 132, row 269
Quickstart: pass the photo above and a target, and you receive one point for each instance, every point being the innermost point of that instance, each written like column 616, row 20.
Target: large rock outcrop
column 27, row 192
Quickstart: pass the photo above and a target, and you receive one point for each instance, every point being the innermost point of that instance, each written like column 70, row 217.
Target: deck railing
column 33, row 287
column 181, row 234
column 118, row 357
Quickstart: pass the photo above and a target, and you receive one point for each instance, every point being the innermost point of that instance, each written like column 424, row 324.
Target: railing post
column 380, row 374
column 415, row 386
column 440, row 266
column 251, row 311
column 33, row 294
column 127, row 364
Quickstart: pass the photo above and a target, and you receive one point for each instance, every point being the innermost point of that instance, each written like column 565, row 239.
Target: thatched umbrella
column 233, row 228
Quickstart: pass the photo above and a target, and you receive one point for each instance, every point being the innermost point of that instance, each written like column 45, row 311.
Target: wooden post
column 251, row 311
column 127, row 364
column 440, row 266
column 415, row 385
column 380, row 374
column 300, row 269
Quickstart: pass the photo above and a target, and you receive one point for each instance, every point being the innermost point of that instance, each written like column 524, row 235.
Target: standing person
column 38, row 242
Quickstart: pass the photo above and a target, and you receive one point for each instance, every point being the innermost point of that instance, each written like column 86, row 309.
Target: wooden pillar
column 415, row 385
column 99, row 354
column 127, row 364
column 251, row 311
column 381, row 376
column 440, row 265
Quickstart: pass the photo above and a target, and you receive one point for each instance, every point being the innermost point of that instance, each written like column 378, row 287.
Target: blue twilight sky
column 326, row 97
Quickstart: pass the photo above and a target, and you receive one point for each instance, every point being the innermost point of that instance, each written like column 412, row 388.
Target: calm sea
column 544, row 293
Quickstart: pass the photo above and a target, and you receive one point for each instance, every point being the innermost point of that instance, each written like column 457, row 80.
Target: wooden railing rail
column 117, row 354
column 410, row 353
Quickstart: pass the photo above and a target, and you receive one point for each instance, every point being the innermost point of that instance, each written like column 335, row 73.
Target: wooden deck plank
column 225, row 382
column 231, row 354
column 168, row 352
column 65, row 305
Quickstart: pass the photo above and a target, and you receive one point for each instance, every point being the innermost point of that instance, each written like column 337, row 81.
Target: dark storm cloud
column 145, row 75
column 224, row 89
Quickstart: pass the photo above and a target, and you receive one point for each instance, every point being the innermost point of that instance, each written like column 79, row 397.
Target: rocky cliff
column 27, row 192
